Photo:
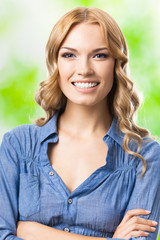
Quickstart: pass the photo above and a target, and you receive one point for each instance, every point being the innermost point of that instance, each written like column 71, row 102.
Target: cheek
column 65, row 69
column 108, row 74
column 61, row 69
column 64, row 75
column 106, row 69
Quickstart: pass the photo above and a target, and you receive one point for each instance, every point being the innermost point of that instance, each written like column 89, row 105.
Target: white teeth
column 85, row 85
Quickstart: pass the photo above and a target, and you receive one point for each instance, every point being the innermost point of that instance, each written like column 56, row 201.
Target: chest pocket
column 29, row 194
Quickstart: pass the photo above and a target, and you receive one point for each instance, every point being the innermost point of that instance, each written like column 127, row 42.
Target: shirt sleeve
column 9, row 182
column 146, row 191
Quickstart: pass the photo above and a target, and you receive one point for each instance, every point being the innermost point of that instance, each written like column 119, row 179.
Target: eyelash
column 65, row 55
column 102, row 54
column 71, row 55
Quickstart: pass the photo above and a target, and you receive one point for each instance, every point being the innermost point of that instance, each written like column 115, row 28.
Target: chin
column 85, row 103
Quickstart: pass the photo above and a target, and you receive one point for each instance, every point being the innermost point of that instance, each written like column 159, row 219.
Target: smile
column 85, row 85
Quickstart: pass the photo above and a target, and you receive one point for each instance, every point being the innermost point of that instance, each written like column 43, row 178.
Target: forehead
column 85, row 34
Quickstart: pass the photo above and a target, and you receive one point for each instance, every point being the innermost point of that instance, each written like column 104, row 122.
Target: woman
column 87, row 170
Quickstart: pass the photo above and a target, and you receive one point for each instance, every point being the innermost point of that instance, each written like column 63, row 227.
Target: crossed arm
column 131, row 226
column 136, row 223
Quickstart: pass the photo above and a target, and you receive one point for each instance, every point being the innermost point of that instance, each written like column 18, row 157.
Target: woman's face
column 86, row 69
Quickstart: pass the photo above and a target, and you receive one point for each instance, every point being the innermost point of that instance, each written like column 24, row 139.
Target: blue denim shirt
column 31, row 190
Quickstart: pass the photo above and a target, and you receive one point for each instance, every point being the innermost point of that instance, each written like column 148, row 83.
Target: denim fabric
column 31, row 190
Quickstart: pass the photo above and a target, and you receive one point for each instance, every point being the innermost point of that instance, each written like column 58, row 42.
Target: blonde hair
column 123, row 100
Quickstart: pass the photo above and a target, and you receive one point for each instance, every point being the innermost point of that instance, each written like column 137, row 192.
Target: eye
column 101, row 55
column 68, row 55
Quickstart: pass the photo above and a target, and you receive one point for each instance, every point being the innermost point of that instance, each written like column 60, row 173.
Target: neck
column 85, row 120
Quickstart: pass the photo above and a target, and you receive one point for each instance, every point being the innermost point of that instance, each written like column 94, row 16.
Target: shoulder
column 150, row 151
column 23, row 132
column 22, row 139
column 150, row 148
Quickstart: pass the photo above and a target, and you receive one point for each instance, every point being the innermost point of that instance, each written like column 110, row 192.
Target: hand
column 134, row 226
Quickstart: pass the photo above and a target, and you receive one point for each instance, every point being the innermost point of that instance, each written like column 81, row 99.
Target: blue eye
column 101, row 55
column 68, row 55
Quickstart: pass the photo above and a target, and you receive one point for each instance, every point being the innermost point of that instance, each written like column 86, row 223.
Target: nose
column 84, row 67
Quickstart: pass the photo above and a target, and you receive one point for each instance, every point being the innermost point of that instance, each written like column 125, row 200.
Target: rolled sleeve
column 9, row 182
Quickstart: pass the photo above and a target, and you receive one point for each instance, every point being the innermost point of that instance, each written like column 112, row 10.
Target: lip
column 85, row 81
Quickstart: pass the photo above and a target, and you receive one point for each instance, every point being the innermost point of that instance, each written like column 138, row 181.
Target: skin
column 84, row 64
column 78, row 60
column 85, row 107
column 134, row 226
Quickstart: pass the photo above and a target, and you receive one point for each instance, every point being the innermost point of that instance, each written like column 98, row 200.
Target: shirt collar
column 115, row 133
column 50, row 129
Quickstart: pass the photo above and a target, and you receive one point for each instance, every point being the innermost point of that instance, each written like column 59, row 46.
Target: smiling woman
column 86, row 68
column 86, row 171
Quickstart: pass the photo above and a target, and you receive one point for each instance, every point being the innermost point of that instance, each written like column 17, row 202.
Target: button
column 69, row 200
column 51, row 173
column 66, row 229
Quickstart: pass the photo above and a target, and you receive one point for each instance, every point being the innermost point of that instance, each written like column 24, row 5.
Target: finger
column 137, row 234
column 143, row 221
column 134, row 212
column 141, row 227
column 136, row 224
column 131, row 227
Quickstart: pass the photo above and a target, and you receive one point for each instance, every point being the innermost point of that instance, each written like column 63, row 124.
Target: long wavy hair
column 123, row 101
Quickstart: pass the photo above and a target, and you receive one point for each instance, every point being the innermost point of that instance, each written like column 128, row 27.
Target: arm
column 37, row 231
column 133, row 226
column 145, row 195
column 8, row 189
column 128, row 227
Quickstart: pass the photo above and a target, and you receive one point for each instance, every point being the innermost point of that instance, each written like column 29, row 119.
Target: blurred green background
column 24, row 30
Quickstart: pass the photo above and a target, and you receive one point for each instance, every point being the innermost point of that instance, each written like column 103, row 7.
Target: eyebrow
column 95, row 50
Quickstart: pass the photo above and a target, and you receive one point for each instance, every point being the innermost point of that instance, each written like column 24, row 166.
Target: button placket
column 70, row 200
